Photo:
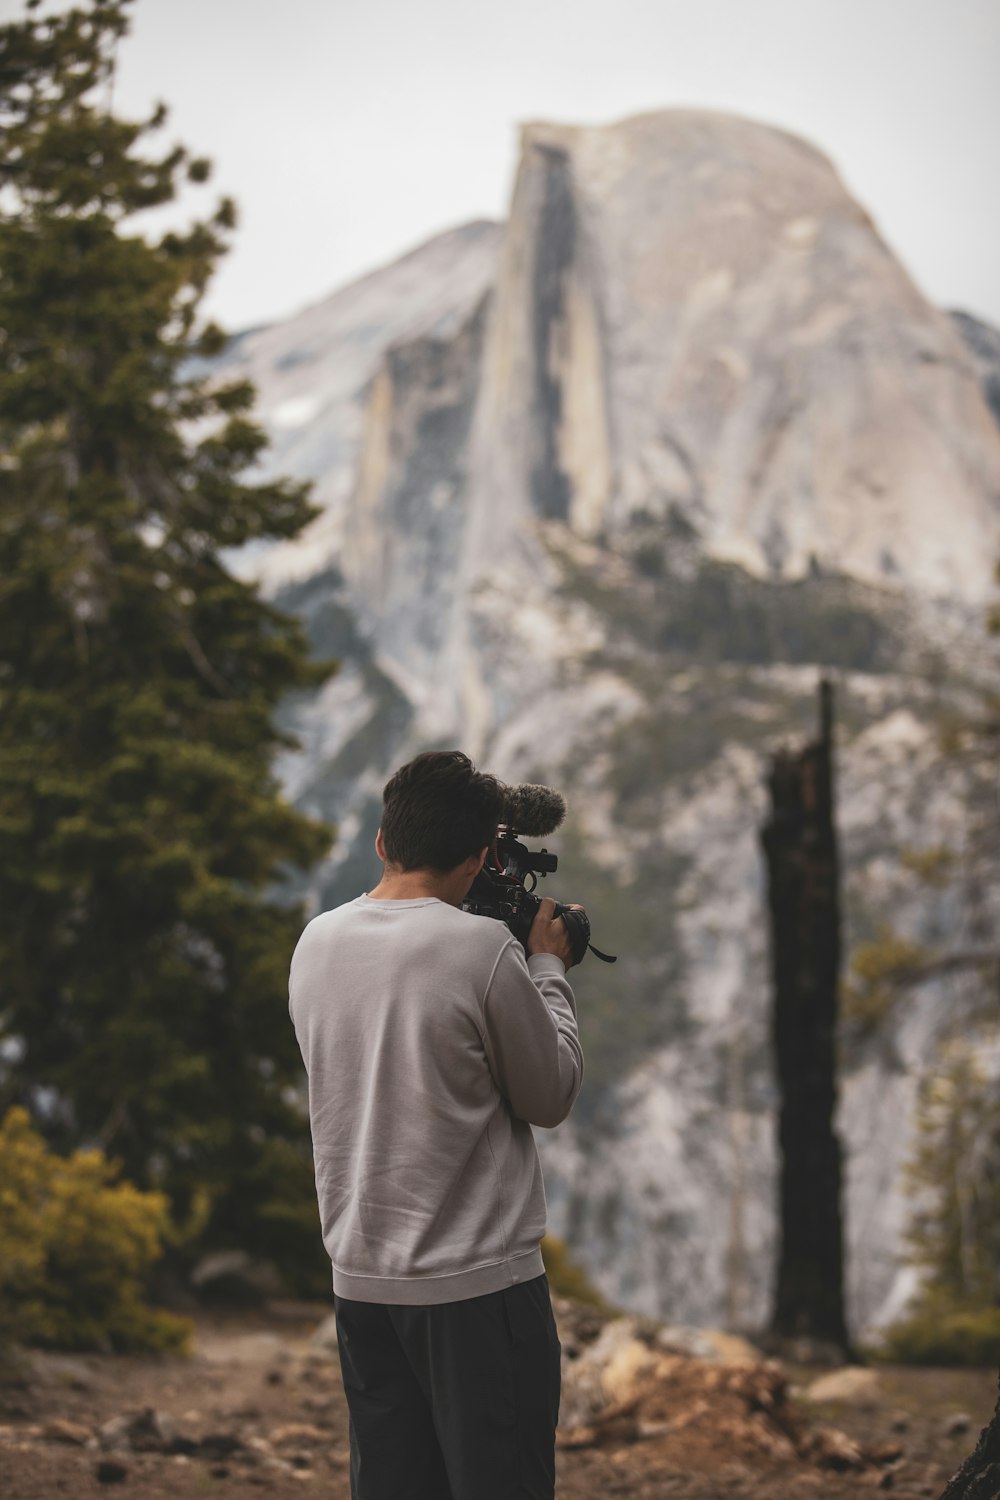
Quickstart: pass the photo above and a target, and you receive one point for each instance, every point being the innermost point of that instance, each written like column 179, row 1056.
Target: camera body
column 505, row 887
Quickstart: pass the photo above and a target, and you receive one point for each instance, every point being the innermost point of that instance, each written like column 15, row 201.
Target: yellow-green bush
column 878, row 974
column 567, row 1279
column 939, row 1332
column 75, row 1247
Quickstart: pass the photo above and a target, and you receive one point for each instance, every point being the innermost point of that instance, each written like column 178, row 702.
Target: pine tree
column 143, row 951
column 954, row 1230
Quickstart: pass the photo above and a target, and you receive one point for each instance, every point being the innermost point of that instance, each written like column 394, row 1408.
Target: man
column 432, row 1046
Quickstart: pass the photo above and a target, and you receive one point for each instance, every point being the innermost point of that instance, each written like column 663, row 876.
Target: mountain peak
column 694, row 314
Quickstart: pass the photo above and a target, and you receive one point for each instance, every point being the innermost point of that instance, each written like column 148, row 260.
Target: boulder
column 61, row 1430
column 235, row 1276
column 852, row 1386
column 324, row 1338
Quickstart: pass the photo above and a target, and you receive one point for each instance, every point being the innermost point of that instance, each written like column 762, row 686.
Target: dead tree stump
column 800, row 846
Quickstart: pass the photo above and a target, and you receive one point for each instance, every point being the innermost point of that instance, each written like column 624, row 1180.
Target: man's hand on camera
column 549, row 933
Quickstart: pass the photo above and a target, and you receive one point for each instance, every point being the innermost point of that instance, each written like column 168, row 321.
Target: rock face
column 407, row 517
column 603, row 493
column 313, row 374
column 694, row 318
column 983, row 343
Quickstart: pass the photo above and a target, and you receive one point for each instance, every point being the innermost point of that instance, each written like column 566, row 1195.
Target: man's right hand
column 549, row 933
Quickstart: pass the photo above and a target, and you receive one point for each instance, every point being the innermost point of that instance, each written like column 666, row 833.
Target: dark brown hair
column 437, row 810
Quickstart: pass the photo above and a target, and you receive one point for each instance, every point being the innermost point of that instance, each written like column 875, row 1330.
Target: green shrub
column 567, row 1279
column 939, row 1332
column 75, row 1247
column 880, row 970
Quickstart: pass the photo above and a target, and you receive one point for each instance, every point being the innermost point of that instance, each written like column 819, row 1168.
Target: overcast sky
column 349, row 130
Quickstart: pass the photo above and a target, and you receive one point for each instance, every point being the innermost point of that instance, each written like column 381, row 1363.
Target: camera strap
column 578, row 927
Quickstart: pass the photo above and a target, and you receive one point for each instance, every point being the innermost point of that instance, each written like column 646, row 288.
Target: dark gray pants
column 453, row 1402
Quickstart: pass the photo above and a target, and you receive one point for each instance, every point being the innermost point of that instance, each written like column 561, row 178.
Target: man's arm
column 531, row 1037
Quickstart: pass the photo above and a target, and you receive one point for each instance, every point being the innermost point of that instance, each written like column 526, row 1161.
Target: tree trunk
column 803, row 895
column 979, row 1476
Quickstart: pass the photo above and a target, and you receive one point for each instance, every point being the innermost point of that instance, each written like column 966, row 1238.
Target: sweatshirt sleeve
column 531, row 1037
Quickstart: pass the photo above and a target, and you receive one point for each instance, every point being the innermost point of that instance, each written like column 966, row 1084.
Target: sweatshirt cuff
column 545, row 963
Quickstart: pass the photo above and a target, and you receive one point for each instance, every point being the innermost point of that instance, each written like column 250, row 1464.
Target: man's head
column 438, row 811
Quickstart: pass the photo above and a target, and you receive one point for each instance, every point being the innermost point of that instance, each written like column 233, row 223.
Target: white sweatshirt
column 431, row 1046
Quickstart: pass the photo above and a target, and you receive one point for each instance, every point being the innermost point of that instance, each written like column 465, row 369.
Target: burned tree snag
column 800, row 846
column 979, row 1476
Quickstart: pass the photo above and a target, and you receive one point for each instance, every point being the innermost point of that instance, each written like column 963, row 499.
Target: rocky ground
column 258, row 1409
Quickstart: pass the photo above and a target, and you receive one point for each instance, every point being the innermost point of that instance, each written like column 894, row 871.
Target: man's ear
column 380, row 846
column 471, row 867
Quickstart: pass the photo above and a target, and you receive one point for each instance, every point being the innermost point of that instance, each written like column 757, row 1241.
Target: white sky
column 349, row 130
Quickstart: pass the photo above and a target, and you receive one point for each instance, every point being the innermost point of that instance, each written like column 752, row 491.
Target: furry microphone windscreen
column 533, row 810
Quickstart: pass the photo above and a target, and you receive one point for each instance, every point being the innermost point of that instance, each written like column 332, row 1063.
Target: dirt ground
column 258, row 1410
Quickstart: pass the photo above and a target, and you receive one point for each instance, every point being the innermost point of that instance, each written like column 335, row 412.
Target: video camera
column 504, row 888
